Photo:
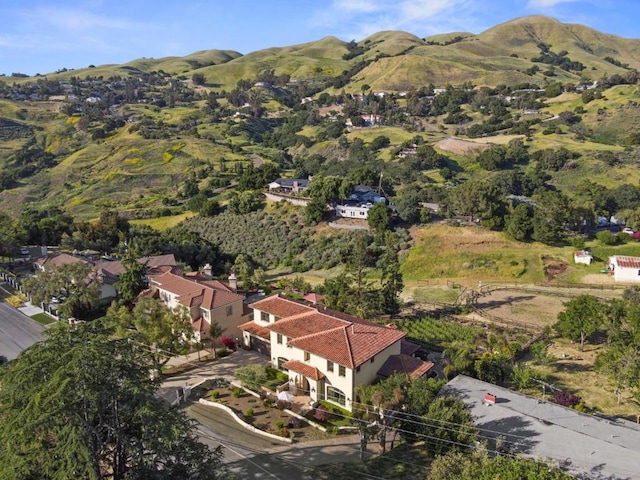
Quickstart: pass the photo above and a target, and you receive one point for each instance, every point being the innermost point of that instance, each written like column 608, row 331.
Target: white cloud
column 358, row 19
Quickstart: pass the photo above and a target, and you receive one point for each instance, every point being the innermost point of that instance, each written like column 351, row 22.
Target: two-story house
column 207, row 301
column 327, row 354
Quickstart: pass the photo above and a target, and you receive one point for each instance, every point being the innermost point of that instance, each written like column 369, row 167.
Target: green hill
column 155, row 130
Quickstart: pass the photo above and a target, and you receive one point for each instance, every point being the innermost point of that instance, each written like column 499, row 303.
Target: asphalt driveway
column 17, row 331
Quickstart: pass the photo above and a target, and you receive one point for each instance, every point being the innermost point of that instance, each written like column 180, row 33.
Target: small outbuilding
column 583, row 256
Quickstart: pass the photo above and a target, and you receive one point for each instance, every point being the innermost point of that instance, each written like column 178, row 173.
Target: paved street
column 17, row 331
column 247, row 454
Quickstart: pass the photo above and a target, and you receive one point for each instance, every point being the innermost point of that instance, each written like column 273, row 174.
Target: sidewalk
column 30, row 310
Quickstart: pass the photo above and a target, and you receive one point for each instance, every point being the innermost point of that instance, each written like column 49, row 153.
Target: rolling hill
column 163, row 132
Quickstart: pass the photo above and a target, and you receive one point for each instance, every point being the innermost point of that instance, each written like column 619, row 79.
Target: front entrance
column 301, row 385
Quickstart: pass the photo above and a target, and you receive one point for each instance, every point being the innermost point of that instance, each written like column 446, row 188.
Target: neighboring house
column 359, row 202
column 587, row 446
column 207, row 301
column 54, row 260
column 327, row 354
column 289, row 185
column 624, row 268
column 353, row 211
column 583, row 256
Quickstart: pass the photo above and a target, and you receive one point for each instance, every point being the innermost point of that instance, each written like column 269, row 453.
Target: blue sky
column 41, row 36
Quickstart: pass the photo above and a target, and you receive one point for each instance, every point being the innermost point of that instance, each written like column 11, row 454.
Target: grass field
column 575, row 373
column 162, row 223
column 43, row 319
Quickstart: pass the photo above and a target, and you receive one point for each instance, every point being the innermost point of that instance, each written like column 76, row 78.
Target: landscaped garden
column 263, row 412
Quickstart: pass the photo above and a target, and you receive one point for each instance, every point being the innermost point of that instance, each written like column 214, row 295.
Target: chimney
column 208, row 271
column 233, row 282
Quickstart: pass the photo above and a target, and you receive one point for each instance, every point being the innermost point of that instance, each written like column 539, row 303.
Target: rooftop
column 626, row 261
column 192, row 293
column 598, row 447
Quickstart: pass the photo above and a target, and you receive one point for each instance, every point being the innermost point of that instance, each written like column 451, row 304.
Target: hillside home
column 359, row 202
column 327, row 354
column 624, row 268
column 289, row 185
column 207, row 301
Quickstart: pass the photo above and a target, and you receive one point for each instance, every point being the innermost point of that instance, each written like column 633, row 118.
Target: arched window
column 335, row 395
column 281, row 362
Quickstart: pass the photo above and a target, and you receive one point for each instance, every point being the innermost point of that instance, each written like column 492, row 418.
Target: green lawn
column 43, row 318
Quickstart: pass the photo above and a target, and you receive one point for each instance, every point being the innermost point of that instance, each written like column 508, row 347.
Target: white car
column 628, row 231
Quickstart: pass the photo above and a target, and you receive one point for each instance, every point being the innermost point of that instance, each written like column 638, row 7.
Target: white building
column 360, row 212
column 326, row 353
column 624, row 268
column 583, row 256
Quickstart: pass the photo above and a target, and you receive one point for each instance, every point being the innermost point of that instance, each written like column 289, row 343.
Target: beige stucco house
column 327, row 354
column 207, row 301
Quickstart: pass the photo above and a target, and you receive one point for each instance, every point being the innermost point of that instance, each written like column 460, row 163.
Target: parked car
column 628, row 231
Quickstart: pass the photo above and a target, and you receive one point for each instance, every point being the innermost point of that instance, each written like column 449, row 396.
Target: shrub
column 294, row 422
column 228, row 342
column 248, row 412
column 251, row 376
column 215, row 394
column 263, row 394
column 222, row 352
column 606, row 237
column 268, row 402
column 322, row 414
column 283, row 432
column 279, row 424
column 565, row 399
column 236, row 392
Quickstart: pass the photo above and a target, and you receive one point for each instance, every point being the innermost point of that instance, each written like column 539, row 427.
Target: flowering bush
column 228, row 342
column 565, row 399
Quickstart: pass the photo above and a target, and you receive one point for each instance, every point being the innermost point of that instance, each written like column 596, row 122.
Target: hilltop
column 132, row 136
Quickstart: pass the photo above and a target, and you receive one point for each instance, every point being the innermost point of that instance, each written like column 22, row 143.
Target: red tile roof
column 254, row 329
column 341, row 338
column 314, row 297
column 409, row 348
column 200, row 325
column 280, row 306
column 306, row 370
column 208, row 295
column 410, row 366
column 627, row 262
column 54, row 260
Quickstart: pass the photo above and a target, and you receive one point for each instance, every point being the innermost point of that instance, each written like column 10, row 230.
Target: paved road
column 249, row 456
column 17, row 331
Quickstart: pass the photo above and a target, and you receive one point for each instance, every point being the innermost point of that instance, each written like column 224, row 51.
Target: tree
column 12, row 235
column 580, row 319
column 133, row 280
column 75, row 285
column 198, row 79
column 445, row 411
column 98, row 416
column 314, row 212
column 154, row 324
column 391, row 278
column 379, row 218
column 518, row 224
column 244, row 269
column 551, row 214
column 252, row 376
column 408, row 205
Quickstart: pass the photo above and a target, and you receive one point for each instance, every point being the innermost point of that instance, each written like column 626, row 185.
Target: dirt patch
column 532, row 309
column 461, row 147
column 553, row 268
